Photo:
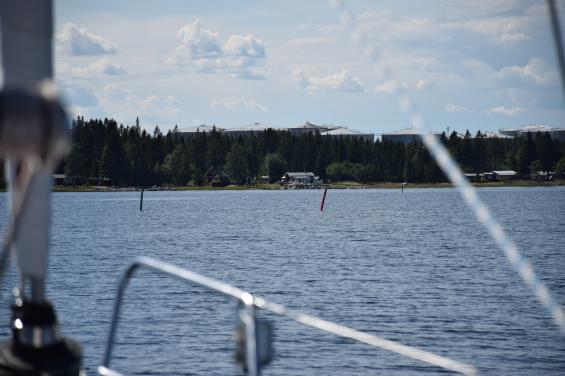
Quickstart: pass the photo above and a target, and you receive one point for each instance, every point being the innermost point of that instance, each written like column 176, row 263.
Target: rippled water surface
column 413, row 267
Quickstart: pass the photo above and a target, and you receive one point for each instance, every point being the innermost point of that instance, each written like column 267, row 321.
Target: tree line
column 129, row 155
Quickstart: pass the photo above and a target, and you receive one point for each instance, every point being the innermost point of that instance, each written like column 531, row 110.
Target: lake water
column 413, row 267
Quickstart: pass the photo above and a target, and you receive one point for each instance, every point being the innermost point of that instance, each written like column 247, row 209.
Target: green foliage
column 177, row 166
column 536, row 166
column 274, row 165
column 130, row 155
column 112, row 160
column 560, row 167
column 349, row 171
column 527, row 153
column 198, row 177
column 235, row 164
column 75, row 163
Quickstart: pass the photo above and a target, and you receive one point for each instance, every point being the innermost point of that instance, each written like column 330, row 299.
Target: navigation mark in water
column 323, row 199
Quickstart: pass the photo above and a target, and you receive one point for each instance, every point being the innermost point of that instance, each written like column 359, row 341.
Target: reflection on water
column 412, row 267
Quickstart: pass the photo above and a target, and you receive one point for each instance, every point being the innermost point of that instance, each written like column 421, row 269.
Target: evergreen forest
column 131, row 156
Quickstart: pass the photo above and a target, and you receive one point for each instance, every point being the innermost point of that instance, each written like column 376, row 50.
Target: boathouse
column 300, row 180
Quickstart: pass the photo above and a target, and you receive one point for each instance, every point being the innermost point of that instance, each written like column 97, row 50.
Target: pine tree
column 75, row 164
column 235, row 163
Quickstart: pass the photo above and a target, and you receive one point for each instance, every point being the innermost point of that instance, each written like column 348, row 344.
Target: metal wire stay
column 444, row 160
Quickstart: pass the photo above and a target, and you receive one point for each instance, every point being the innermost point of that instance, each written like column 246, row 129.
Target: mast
column 28, row 23
column 33, row 139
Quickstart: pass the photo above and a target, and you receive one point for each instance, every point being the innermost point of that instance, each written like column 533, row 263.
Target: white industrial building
column 202, row 128
column 249, row 130
column 348, row 133
column 405, row 136
column 555, row 133
column 310, row 128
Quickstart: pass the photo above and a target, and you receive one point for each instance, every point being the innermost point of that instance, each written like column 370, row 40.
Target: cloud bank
column 501, row 110
column 453, row 108
column 334, row 82
column 241, row 56
column 233, row 103
column 100, row 67
column 78, row 41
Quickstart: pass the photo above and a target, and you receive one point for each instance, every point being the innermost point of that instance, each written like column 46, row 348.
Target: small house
column 472, row 177
column 486, row 176
column 61, row 179
column 505, row 175
column 216, row 177
column 542, row 175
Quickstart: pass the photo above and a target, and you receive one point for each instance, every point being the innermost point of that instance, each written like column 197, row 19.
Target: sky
column 465, row 64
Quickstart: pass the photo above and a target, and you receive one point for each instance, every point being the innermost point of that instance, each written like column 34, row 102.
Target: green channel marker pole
column 141, row 201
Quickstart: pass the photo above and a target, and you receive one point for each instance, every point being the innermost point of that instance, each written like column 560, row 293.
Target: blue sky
column 467, row 65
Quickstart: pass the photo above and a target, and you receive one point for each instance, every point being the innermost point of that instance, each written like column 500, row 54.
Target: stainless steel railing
column 222, row 288
column 248, row 318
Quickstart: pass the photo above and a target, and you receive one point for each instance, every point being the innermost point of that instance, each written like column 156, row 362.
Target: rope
column 370, row 339
column 554, row 18
column 13, row 228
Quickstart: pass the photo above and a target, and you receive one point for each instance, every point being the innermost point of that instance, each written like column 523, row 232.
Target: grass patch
column 334, row 185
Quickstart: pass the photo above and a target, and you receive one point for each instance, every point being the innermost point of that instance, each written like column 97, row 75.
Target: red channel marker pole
column 323, row 199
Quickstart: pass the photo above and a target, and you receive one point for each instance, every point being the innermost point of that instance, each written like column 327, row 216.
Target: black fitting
column 37, row 314
column 62, row 359
column 37, row 347
column 34, row 325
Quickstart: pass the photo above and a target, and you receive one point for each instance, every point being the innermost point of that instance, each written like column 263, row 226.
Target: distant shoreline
column 338, row 185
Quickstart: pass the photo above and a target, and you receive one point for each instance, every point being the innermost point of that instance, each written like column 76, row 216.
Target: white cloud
column 106, row 66
column 197, row 42
column 75, row 111
column 421, row 85
column 335, row 82
column 430, row 46
column 78, row 96
column 124, row 105
column 78, row 101
column 536, row 72
column 150, row 101
column 238, row 104
column 478, row 68
column 534, row 75
column 172, row 101
column 241, row 56
column 455, row 108
column 390, row 27
column 248, row 46
column 505, row 30
column 307, row 41
column 390, row 86
column 501, row 110
column 97, row 68
column 78, row 41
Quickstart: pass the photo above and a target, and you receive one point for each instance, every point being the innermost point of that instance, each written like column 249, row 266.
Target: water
column 413, row 267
